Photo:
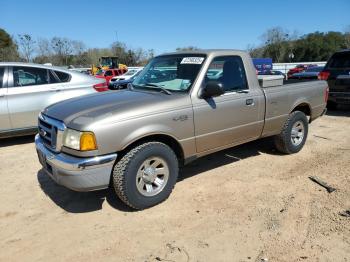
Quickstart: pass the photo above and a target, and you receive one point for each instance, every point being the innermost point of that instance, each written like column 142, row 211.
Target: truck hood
column 81, row 112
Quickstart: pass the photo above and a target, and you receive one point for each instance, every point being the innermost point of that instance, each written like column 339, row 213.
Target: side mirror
column 212, row 89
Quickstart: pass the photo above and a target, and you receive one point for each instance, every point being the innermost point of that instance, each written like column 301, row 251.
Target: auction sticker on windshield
column 192, row 60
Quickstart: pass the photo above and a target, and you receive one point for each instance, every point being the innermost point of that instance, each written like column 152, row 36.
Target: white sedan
column 129, row 74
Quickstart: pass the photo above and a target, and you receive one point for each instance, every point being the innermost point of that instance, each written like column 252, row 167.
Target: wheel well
column 305, row 108
column 168, row 140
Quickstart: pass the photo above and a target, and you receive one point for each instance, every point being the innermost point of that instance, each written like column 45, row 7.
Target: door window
column 229, row 70
column 53, row 79
column 109, row 73
column 27, row 76
column 64, row 77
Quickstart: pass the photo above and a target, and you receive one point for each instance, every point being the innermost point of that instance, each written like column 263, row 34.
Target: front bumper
column 79, row 174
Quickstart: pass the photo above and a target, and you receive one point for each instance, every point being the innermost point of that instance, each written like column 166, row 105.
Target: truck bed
column 280, row 100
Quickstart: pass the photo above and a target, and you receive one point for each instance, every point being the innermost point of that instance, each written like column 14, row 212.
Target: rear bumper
column 339, row 97
column 79, row 174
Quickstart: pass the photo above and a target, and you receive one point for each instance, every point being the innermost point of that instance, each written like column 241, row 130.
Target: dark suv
column 337, row 74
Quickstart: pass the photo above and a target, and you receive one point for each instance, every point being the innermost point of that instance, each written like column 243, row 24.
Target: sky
column 166, row 25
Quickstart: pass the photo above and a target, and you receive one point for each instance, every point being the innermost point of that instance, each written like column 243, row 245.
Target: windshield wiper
column 159, row 87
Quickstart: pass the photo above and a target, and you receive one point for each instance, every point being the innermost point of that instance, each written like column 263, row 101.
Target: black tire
column 125, row 174
column 283, row 141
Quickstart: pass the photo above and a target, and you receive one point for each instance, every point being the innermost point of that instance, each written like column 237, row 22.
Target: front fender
column 145, row 131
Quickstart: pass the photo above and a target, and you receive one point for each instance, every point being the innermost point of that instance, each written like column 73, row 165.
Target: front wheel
column 294, row 133
column 146, row 175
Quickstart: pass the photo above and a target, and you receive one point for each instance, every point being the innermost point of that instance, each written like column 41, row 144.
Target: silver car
column 26, row 89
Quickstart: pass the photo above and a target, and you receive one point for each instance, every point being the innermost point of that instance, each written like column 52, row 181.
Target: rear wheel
column 294, row 133
column 146, row 175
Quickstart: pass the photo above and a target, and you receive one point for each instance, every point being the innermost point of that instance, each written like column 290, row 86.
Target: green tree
column 318, row 46
column 276, row 44
column 8, row 47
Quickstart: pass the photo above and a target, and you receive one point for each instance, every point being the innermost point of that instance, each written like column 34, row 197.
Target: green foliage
column 8, row 48
column 317, row 46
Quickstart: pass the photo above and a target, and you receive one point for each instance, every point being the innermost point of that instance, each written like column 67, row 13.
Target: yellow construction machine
column 107, row 62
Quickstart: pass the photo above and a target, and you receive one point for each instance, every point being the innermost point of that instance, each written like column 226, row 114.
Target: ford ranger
column 182, row 106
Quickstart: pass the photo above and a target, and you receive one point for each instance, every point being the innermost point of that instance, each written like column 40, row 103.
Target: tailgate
column 341, row 84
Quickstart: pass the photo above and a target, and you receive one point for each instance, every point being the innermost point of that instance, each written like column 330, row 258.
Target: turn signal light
column 87, row 141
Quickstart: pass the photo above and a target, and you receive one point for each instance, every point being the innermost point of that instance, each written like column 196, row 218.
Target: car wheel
column 146, row 175
column 294, row 133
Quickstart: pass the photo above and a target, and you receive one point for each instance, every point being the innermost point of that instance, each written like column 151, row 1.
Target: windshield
column 173, row 72
column 130, row 72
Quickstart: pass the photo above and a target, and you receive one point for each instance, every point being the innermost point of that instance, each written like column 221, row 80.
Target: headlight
column 82, row 141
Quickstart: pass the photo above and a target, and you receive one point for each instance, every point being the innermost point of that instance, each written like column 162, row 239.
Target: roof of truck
column 207, row 52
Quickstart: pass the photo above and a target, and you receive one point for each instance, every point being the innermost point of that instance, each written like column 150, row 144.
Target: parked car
column 337, row 74
column 272, row 72
column 109, row 74
column 298, row 69
column 121, row 84
column 26, row 89
column 129, row 74
column 310, row 73
column 136, row 138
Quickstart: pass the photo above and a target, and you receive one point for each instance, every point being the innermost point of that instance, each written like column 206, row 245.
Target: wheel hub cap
column 152, row 176
column 297, row 134
column 149, row 174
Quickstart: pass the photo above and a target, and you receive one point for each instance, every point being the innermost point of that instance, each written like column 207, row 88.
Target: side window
column 64, row 77
column 229, row 70
column 2, row 70
column 27, row 76
column 53, row 78
column 109, row 73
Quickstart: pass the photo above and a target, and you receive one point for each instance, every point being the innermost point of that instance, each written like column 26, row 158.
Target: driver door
column 235, row 116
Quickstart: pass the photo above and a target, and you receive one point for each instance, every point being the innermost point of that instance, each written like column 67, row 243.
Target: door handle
column 55, row 90
column 249, row 102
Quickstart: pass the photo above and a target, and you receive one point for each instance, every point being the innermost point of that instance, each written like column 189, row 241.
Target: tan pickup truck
column 182, row 106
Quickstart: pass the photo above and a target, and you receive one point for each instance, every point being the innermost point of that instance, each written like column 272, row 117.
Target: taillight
column 326, row 94
column 101, row 87
column 323, row 75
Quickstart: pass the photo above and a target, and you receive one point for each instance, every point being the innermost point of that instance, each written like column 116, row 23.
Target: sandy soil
column 243, row 204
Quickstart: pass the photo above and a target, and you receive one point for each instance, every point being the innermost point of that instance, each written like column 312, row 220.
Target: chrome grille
column 51, row 132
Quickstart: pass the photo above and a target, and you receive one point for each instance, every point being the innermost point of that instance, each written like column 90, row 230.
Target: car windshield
column 171, row 72
column 130, row 72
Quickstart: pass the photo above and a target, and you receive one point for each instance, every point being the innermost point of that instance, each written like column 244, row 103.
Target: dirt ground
column 243, row 204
